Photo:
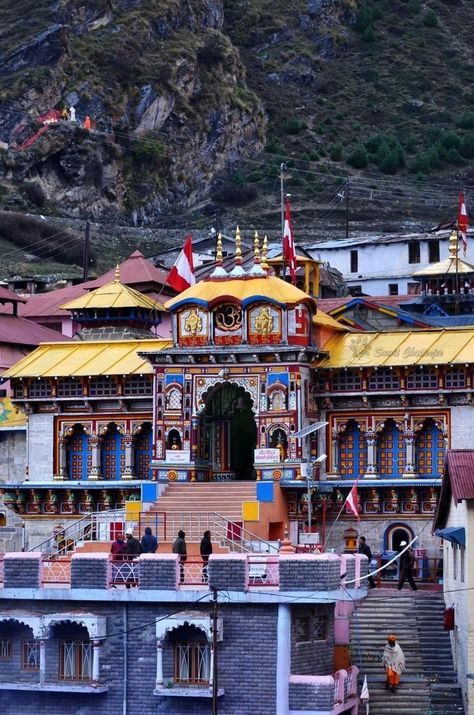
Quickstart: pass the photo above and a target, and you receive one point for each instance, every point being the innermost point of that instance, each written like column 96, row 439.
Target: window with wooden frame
column 192, row 662
column 102, row 385
column 138, row 385
column 30, row 656
column 75, row 660
column 70, row 387
column 310, row 627
column 455, row 377
column 40, row 388
column 302, row 629
column 5, row 649
column 413, row 252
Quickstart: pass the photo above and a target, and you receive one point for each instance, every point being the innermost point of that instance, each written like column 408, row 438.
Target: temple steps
column 429, row 683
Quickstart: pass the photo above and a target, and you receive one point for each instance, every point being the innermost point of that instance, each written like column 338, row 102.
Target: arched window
column 143, row 451
column 77, row 454
column 74, row 651
column 390, row 452
column 191, row 655
column 352, row 452
column 174, row 439
column 174, row 398
column 112, row 455
column 430, row 450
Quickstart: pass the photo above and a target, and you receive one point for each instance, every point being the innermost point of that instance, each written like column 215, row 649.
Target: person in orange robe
column 394, row 661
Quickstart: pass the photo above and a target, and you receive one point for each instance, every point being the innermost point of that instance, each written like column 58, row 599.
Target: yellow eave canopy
column 113, row 295
column 326, row 321
column 241, row 290
column 75, row 359
column 397, row 349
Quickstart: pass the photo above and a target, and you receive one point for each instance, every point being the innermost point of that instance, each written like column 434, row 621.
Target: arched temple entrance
column 229, row 432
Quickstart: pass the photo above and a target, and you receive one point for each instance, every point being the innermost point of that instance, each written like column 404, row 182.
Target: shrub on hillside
column 466, row 120
column 430, row 19
column 358, row 158
column 293, row 125
column 335, row 152
column 466, row 148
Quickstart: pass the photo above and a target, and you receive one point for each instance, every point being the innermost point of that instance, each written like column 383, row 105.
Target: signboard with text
column 177, row 456
column 266, row 455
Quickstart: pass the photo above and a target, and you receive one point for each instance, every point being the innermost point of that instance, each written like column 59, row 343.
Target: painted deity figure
column 193, row 323
column 264, row 322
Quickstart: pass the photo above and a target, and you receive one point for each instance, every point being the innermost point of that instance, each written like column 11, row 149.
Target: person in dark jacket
column 206, row 551
column 364, row 548
column 179, row 547
column 407, row 562
column 149, row 542
column 132, row 548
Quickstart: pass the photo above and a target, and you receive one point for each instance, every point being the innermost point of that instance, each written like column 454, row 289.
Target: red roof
column 390, row 301
column 24, row 332
column 134, row 271
column 9, row 296
column 460, row 468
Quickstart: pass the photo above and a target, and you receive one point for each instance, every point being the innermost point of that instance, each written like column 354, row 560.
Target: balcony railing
column 123, row 571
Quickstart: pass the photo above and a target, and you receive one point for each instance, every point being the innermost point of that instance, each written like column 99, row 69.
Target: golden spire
column 453, row 245
column 238, row 247
column 264, row 263
column 117, row 274
column 219, row 257
column 256, row 248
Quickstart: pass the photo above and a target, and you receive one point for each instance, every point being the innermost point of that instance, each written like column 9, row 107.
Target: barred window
column 30, row 655
column 346, row 380
column 18, row 389
column 40, row 388
column 310, row 627
column 384, row 380
column 70, row 387
column 138, row 385
column 455, row 377
column 302, row 629
column 174, row 399
column 5, row 649
column 75, row 660
column 419, row 378
column 192, row 662
column 102, row 385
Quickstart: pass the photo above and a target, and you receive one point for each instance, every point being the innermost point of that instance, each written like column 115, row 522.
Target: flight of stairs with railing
column 429, row 684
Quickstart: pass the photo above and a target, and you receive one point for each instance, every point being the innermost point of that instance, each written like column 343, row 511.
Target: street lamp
column 319, row 460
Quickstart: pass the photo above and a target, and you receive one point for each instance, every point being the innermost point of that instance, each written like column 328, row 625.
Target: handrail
column 247, row 540
column 87, row 528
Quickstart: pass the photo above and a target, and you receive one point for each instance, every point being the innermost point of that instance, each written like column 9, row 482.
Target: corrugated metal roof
column 113, row 295
column 446, row 267
column 20, row 331
column 399, row 348
column 460, row 467
column 9, row 296
column 91, row 358
column 324, row 320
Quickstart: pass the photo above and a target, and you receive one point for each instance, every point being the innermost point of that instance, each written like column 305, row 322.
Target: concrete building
column 259, row 637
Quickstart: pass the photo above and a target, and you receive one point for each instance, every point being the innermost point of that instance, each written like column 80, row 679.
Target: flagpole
column 282, row 211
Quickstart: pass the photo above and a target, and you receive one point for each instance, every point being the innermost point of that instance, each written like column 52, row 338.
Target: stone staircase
column 190, row 505
column 429, row 684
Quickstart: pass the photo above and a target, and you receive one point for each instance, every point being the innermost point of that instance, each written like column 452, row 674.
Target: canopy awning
column 454, row 534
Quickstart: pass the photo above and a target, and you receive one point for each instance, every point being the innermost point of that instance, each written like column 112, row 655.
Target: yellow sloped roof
column 113, row 295
column 327, row 321
column 241, row 290
column 391, row 349
column 91, row 358
column 446, row 267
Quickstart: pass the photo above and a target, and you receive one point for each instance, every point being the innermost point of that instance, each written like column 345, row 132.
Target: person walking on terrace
column 206, row 551
column 149, row 542
column 179, row 547
column 364, row 548
column 394, row 662
column 407, row 561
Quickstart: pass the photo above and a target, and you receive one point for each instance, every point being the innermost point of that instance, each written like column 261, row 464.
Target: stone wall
column 13, row 451
column 40, row 448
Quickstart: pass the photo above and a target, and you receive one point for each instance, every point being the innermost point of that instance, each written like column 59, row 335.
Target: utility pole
column 347, row 207
column 214, row 651
column 85, row 254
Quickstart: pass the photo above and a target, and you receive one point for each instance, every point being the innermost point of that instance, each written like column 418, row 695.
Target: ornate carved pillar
column 94, row 443
column 159, row 665
column 335, row 451
column 128, row 469
column 61, row 475
column 95, row 661
column 409, row 437
column 371, row 442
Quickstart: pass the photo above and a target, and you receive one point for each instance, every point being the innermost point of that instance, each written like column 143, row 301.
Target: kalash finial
column 117, row 274
column 264, row 263
column 219, row 256
column 453, row 245
column 238, row 247
column 256, row 268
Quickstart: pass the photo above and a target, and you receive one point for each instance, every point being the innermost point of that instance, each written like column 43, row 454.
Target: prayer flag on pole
column 352, row 501
column 289, row 253
column 463, row 221
column 181, row 275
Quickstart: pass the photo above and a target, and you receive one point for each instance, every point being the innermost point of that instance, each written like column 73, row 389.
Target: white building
column 384, row 265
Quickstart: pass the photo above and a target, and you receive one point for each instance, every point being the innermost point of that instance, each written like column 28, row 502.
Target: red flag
column 352, row 501
column 289, row 253
column 181, row 276
column 463, row 222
